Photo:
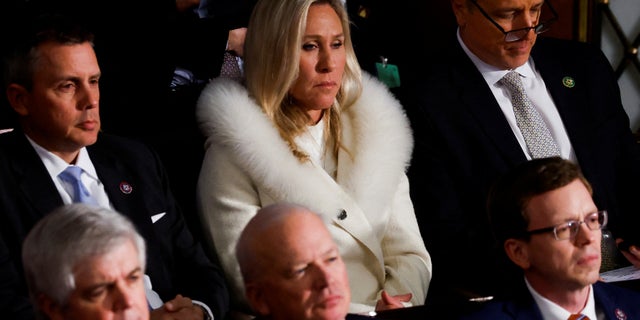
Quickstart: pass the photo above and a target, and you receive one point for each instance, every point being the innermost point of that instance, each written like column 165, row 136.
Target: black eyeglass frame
column 538, row 29
column 605, row 219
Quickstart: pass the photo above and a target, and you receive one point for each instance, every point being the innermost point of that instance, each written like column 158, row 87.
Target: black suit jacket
column 176, row 263
column 614, row 302
column 463, row 142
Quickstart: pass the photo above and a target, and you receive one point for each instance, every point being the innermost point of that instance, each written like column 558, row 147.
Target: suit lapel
column 571, row 102
column 117, row 182
column 522, row 306
column 33, row 178
column 607, row 303
column 124, row 192
column 482, row 105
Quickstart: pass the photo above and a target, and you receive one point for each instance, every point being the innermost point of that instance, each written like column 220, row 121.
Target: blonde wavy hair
column 271, row 62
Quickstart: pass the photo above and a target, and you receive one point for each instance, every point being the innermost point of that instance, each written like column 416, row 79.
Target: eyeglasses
column 518, row 34
column 569, row 229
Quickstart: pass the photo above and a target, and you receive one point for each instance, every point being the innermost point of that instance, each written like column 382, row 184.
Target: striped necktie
column 578, row 317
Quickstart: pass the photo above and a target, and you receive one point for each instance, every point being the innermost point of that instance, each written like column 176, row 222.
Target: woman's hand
column 388, row 302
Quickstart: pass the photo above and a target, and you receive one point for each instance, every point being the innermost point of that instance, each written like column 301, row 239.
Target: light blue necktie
column 71, row 175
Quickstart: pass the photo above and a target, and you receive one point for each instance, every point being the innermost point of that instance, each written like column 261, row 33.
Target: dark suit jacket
column 176, row 263
column 610, row 299
column 463, row 142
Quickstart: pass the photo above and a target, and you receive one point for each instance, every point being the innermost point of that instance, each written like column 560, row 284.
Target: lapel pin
column 125, row 187
column 568, row 82
column 620, row 314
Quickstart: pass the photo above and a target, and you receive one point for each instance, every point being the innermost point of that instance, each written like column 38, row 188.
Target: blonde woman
column 308, row 127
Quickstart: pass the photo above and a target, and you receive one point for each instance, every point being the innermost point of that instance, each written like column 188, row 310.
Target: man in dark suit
column 52, row 84
column 466, row 133
column 543, row 216
column 148, row 44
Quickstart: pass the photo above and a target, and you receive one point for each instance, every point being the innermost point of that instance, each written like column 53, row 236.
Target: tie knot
column 71, row 175
column 71, row 172
column 578, row 317
column 512, row 81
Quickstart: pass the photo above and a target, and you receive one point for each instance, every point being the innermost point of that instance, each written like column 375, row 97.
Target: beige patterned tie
column 535, row 131
column 230, row 67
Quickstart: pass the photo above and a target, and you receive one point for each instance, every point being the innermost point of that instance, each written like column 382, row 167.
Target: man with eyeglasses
column 543, row 216
column 466, row 135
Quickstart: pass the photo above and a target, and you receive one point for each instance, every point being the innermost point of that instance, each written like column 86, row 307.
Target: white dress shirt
column 55, row 165
column 551, row 311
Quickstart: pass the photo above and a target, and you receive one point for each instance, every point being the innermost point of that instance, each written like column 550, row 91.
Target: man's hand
column 180, row 308
column 633, row 254
column 236, row 41
column 388, row 302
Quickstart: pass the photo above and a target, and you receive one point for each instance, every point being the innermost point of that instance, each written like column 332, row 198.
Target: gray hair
column 67, row 236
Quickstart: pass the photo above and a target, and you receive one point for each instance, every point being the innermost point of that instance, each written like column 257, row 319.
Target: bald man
column 291, row 266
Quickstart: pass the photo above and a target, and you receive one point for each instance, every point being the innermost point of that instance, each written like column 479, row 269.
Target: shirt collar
column 55, row 165
column 491, row 73
column 550, row 310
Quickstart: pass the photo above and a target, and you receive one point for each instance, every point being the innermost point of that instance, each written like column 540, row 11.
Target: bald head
column 291, row 266
column 272, row 225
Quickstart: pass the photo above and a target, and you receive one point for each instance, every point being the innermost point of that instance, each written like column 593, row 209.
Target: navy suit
column 176, row 263
column 610, row 299
column 463, row 142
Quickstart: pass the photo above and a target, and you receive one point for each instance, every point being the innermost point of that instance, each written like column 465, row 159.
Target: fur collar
column 375, row 129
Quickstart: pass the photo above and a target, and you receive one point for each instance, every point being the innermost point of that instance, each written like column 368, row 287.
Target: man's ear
column 518, row 251
column 257, row 299
column 459, row 7
column 18, row 97
column 49, row 307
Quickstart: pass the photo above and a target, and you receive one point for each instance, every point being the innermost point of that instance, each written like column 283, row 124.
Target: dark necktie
column 230, row 67
column 72, row 175
column 535, row 131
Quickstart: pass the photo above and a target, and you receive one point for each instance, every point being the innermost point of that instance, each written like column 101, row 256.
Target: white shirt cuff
column 204, row 306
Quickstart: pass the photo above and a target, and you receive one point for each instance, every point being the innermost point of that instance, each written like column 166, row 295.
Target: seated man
column 52, row 84
column 83, row 262
column 291, row 266
column 543, row 214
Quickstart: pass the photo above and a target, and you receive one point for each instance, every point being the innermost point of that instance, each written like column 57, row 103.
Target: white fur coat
column 248, row 165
